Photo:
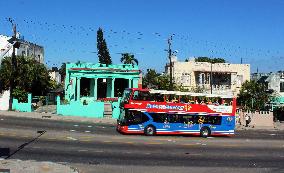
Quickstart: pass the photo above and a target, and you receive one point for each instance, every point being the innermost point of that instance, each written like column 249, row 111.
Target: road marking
column 85, row 140
column 71, row 138
column 11, row 134
column 272, row 134
column 87, row 137
column 2, row 119
column 188, row 144
column 82, row 150
column 154, row 143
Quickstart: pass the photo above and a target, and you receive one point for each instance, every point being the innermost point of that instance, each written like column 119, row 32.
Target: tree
column 150, row 79
column 254, row 96
column 128, row 58
column 103, row 53
column 154, row 80
column 30, row 77
column 62, row 71
column 211, row 60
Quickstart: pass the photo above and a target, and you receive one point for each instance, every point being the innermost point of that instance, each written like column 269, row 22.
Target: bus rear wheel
column 205, row 132
column 150, row 130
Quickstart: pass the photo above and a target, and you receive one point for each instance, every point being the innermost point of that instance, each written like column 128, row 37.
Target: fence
column 258, row 118
column 23, row 107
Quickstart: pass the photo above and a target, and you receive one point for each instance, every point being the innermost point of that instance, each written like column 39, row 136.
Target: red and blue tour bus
column 151, row 112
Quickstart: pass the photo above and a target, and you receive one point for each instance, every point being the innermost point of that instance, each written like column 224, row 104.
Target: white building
column 226, row 78
column 54, row 75
column 26, row 49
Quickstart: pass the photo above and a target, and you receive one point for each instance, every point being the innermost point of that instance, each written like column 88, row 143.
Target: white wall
column 55, row 76
column 4, row 100
column 26, row 49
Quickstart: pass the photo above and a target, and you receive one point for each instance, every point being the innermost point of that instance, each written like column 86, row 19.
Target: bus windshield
column 126, row 96
column 142, row 96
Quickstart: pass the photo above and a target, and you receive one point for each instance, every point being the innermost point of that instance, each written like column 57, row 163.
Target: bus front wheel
column 205, row 132
column 150, row 130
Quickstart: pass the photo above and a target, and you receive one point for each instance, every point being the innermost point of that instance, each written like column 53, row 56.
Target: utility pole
column 170, row 58
column 211, row 82
column 14, row 64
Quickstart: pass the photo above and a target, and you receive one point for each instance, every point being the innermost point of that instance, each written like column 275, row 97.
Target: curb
column 50, row 116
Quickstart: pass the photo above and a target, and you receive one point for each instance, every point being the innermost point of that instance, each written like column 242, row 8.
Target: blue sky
column 232, row 29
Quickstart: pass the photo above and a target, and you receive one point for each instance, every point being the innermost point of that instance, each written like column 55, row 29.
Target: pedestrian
column 247, row 118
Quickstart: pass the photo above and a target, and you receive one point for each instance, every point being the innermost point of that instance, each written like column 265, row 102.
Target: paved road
column 99, row 148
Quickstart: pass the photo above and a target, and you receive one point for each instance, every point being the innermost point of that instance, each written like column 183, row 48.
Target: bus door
column 161, row 122
column 136, row 120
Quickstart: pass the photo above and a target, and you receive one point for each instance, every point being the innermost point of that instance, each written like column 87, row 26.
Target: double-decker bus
column 151, row 112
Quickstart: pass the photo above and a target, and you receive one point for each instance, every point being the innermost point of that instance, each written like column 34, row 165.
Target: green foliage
column 128, row 58
column 159, row 81
column 103, row 53
column 20, row 94
column 211, row 60
column 253, row 96
column 150, row 79
column 30, row 76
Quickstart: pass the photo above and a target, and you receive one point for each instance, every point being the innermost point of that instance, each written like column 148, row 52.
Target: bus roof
column 180, row 93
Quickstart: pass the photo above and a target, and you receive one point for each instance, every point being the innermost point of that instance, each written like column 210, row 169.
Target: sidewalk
column 276, row 126
column 57, row 117
column 29, row 166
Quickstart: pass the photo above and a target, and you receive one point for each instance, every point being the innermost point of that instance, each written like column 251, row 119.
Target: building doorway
column 102, row 88
column 119, row 85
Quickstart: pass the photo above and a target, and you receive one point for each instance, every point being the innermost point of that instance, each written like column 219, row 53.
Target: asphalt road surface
column 99, row 148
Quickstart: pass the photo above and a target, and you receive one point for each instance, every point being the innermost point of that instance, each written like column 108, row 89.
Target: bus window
column 187, row 118
column 215, row 120
column 174, row 118
column 135, row 117
column 142, row 96
column 159, row 117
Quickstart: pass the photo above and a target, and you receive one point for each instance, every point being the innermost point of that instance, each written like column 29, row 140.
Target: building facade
column 26, row 49
column 273, row 82
column 91, row 88
column 54, row 75
column 221, row 78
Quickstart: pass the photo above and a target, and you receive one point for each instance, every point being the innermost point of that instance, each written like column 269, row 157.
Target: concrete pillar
column 78, row 89
column 135, row 83
column 129, row 83
column 112, row 87
column 96, row 88
column 92, row 83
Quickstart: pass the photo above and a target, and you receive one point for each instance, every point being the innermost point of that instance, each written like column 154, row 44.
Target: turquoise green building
column 88, row 87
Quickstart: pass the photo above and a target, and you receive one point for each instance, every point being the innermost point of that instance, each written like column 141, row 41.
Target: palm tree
column 128, row 58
